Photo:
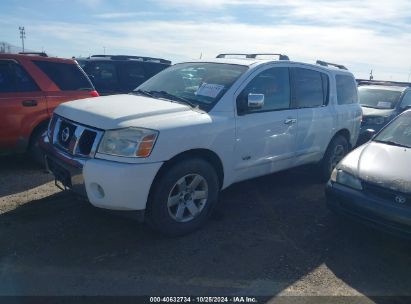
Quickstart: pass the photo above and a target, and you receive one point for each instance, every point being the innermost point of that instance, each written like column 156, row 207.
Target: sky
column 362, row 35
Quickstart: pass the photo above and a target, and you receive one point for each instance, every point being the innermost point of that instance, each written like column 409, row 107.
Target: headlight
column 341, row 177
column 129, row 142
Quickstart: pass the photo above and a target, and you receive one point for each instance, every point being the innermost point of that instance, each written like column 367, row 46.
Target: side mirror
column 369, row 134
column 255, row 101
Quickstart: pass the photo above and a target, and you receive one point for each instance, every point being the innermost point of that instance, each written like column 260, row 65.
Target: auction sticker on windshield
column 209, row 90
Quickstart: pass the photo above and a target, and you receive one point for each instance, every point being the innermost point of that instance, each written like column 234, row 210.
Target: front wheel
column 336, row 151
column 34, row 150
column 182, row 198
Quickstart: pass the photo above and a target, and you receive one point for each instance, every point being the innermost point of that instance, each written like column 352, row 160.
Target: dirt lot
column 270, row 236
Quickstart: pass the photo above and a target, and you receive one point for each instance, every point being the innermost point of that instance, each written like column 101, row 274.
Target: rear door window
column 7, row 84
column 346, row 90
column 310, row 88
column 68, row 77
column 24, row 82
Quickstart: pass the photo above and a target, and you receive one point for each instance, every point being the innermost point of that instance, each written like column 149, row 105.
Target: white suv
column 169, row 147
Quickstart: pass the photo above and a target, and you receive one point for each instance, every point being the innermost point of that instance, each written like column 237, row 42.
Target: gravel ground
column 271, row 236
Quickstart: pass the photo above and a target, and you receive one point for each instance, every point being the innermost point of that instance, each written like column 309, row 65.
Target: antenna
column 22, row 35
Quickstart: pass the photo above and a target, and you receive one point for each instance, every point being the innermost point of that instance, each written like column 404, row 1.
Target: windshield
column 398, row 132
column 378, row 98
column 197, row 84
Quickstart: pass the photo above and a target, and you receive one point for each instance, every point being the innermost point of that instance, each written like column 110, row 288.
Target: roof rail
column 280, row 56
column 326, row 64
column 128, row 57
column 42, row 54
column 362, row 82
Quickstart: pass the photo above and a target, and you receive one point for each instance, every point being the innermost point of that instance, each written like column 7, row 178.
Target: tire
column 34, row 150
column 182, row 199
column 335, row 152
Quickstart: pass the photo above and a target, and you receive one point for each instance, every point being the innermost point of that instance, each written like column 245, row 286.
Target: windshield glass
column 196, row 84
column 398, row 132
column 378, row 98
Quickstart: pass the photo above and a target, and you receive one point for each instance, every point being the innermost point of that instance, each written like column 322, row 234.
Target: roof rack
column 362, row 82
column 127, row 57
column 42, row 54
column 326, row 64
column 253, row 56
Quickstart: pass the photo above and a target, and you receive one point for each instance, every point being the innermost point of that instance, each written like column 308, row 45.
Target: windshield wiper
column 174, row 98
column 142, row 92
column 391, row 143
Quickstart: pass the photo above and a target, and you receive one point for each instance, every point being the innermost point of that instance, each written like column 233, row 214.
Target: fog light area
column 97, row 190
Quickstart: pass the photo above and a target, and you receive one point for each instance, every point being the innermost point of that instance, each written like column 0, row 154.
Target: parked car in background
column 381, row 101
column 31, row 87
column 373, row 183
column 196, row 128
column 120, row 74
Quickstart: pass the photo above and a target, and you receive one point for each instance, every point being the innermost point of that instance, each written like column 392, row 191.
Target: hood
column 120, row 111
column 381, row 164
column 377, row 112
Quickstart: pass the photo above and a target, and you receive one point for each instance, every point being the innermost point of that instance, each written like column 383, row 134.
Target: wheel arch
column 205, row 154
column 40, row 126
column 344, row 133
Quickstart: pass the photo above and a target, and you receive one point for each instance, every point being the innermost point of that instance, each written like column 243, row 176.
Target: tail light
column 94, row 93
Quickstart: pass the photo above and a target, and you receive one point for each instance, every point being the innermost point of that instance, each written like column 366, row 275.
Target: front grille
column 86, row 142
column 74, row 138
column 386, row 194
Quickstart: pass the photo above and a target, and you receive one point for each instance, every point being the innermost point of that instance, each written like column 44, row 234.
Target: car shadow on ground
column 20, row 173
column 267, row 234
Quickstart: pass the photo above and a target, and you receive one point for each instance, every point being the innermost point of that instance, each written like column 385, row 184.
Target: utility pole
column 371, row 75
column 22, row 35
column 104, row 48
column 409, row 75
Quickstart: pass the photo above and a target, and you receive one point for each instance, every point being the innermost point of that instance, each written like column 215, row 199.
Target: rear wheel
column 336, row 151
column 183, row 197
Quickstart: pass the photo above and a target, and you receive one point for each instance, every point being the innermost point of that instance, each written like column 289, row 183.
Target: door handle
column 290, row 121
column 29, row 103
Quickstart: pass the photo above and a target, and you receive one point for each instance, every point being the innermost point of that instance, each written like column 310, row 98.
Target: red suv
column 31, row 87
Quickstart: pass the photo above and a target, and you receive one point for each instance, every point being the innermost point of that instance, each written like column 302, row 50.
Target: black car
column 118, row 74
column 373, row 182
column 381, row 101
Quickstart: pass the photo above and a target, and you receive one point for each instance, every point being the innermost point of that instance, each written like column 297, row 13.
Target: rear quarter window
column 346, row 90
column 68, row 77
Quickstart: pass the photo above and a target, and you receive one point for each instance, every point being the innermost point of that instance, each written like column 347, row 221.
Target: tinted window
column 132, row 75
column 346, row 90
column 274, row 84
column 104, row 75
column 310, row 88
column 24, row 83
column 153, row 68
column 68, row 77
column 6, row 79
column 378, row 98
column 406, row 101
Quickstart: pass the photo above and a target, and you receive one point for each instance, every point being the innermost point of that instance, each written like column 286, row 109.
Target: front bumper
column 106, row 184
column 376, row 212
